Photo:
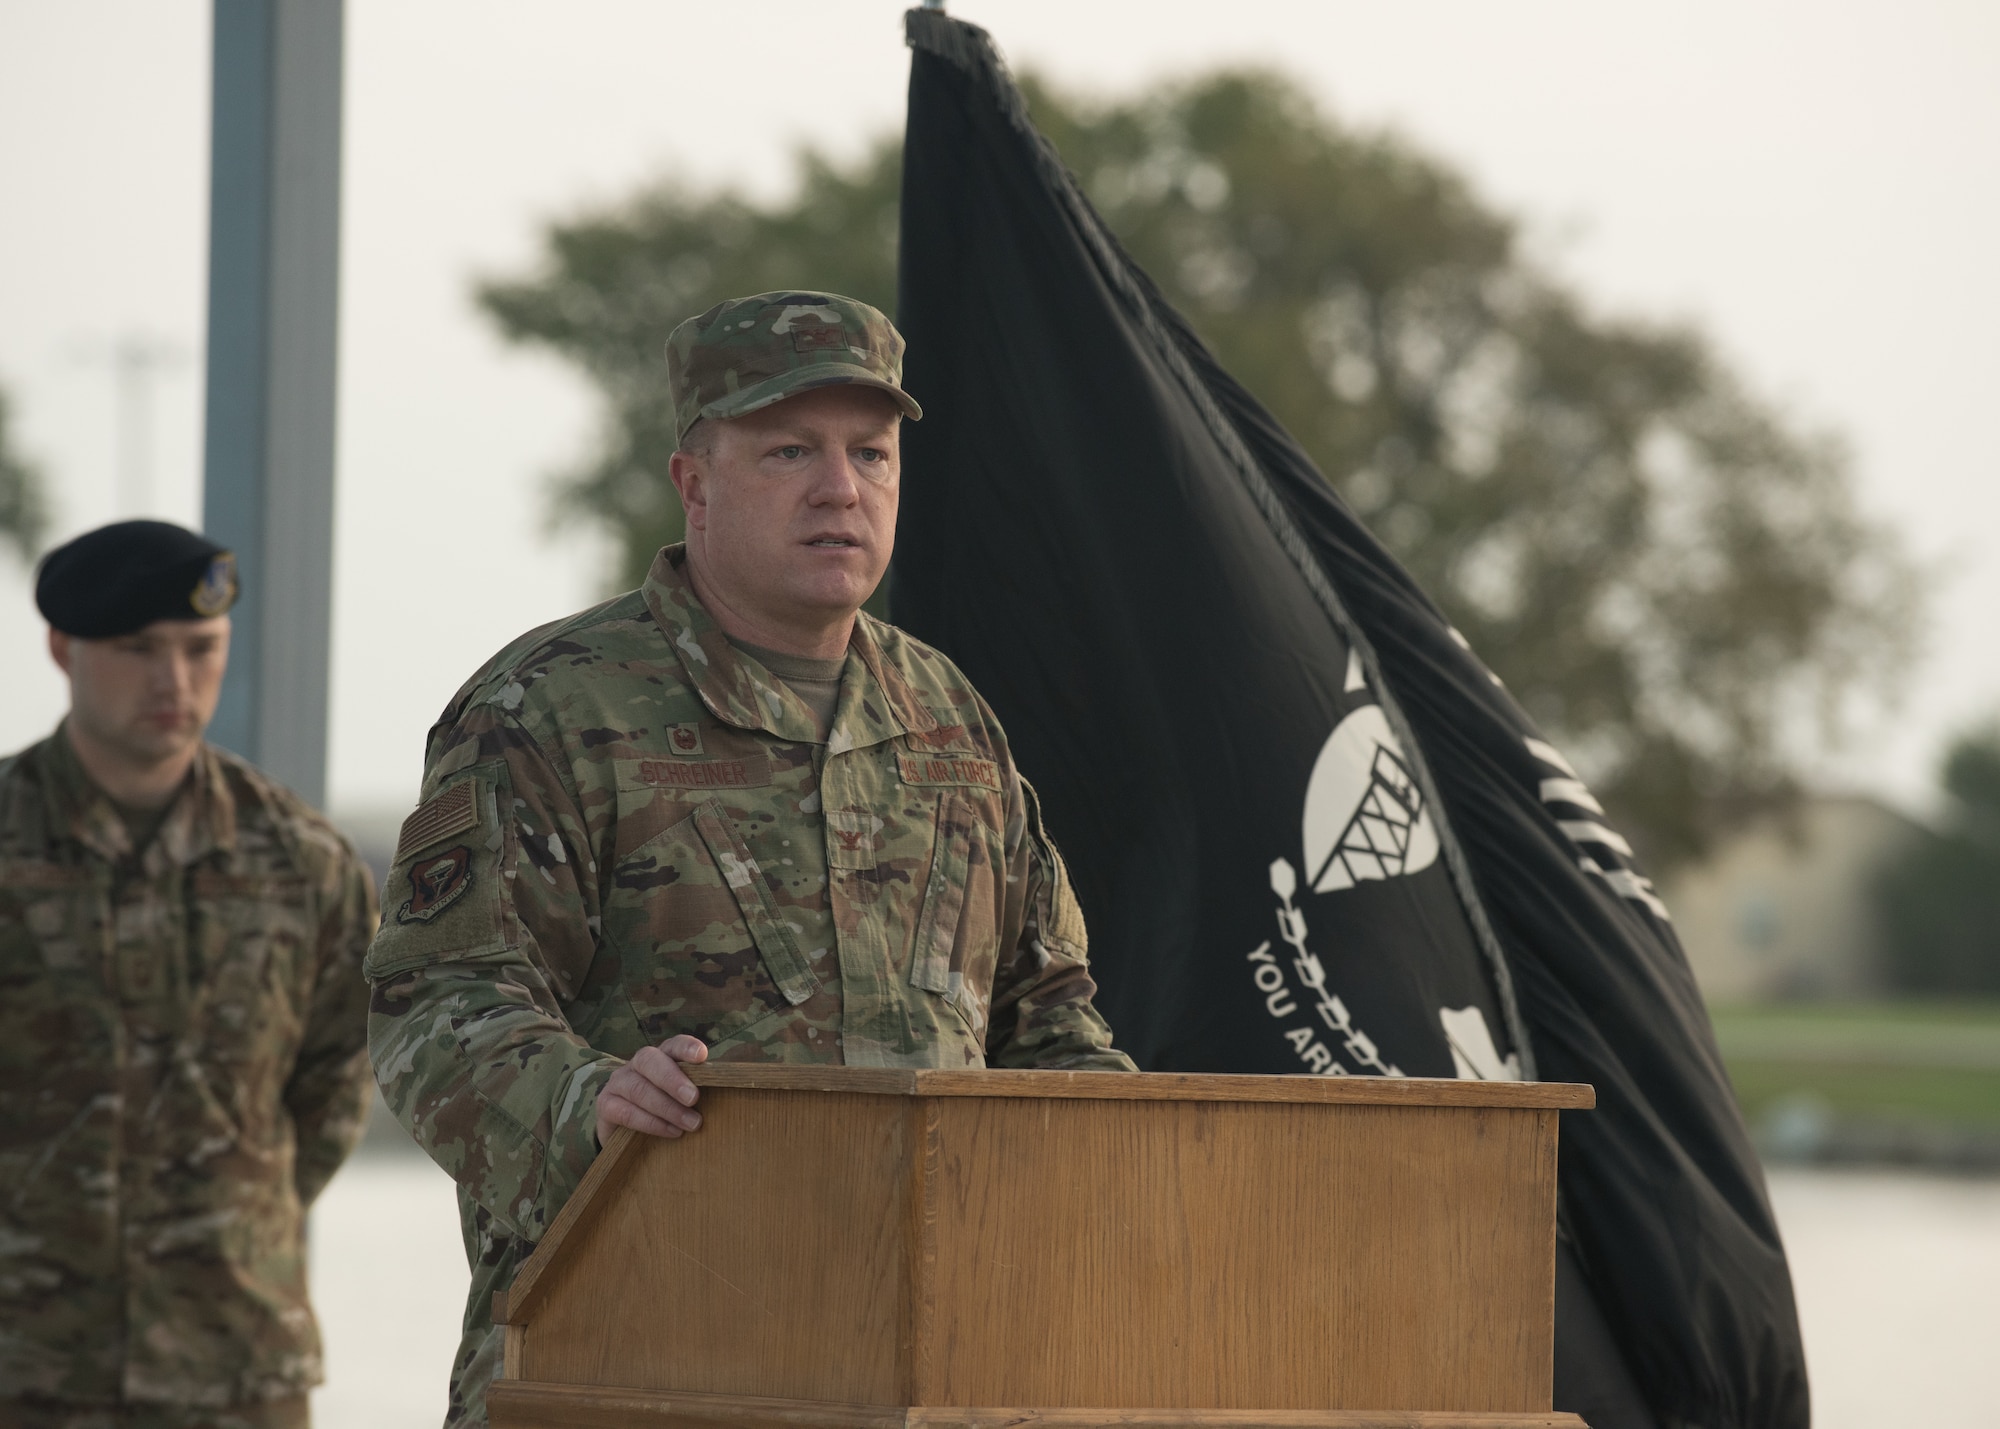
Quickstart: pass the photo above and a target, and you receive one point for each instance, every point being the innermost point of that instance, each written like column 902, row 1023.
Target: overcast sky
column 1812, row 183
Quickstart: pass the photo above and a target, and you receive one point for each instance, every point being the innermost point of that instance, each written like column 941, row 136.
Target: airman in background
column 183, row 1021
column 725, row 815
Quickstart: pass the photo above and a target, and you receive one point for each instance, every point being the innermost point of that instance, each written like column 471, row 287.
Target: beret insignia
column 216, row 591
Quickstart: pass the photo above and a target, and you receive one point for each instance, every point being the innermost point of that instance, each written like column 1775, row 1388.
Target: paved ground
column 389, row 1282
column 1896, row 1275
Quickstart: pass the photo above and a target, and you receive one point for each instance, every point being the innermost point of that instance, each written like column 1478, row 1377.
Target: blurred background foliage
column 614, row 283
column 24, row 512
column 1940, row 899
column 1913, row 1077
column 1674, row 580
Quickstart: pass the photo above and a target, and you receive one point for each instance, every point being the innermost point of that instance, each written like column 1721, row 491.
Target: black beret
column 123, row 577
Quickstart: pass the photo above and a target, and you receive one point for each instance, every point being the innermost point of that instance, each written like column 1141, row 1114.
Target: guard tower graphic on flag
column 1365, row 818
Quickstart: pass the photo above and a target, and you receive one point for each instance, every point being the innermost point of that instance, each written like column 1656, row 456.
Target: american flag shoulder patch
column 449, row 812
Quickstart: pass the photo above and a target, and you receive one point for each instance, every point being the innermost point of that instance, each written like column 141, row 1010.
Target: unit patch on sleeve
column 939, row 769
column 436, row 884
column 451, row 812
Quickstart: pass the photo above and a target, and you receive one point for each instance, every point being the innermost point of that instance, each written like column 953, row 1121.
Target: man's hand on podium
column 651, row 1093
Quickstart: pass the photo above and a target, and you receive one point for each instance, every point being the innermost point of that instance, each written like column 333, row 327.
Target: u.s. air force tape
column 948, row 769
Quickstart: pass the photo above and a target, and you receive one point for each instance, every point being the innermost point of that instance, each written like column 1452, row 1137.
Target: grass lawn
column 1903, row 1061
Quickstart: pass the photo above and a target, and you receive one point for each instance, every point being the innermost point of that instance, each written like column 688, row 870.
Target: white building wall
column 1784, row 909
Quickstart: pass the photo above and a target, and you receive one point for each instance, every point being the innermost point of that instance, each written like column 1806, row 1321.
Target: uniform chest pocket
column 252, row 964
column 953, row 950
column 51, row 921
column 54, row 1014
column 703, row 946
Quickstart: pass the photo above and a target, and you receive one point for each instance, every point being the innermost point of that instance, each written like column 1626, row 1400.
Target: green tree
column 24, row 515
column 1940, row 901
column 614, row 284
column 1677, row 584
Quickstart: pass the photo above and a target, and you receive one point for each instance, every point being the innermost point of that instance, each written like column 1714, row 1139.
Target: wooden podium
column 845, row 1248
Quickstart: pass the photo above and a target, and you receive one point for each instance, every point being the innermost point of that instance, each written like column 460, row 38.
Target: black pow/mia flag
column 1310, row 831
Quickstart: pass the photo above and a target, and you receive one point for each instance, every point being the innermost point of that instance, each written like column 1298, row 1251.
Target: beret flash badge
column 216, row 591
column 436, row 884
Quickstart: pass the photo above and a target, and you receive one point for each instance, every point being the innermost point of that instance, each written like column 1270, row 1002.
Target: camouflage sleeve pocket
column 1055, row 908
column 444, row 901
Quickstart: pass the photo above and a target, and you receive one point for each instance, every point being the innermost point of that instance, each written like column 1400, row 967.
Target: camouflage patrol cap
column 748, row 353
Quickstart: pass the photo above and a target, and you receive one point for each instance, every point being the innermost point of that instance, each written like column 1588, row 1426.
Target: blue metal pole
column 274, row 222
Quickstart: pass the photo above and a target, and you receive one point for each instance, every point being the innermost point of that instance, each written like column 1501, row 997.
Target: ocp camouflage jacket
column 182, row 1068
column 631, row 830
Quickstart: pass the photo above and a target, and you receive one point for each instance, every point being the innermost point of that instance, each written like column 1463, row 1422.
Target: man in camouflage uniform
column 723, row 815
column 182, row 1022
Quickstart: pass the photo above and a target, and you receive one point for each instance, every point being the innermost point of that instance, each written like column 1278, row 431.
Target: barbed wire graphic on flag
column 1312, row 976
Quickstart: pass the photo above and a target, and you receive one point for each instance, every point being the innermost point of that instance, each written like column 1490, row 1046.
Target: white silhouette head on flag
column 1365, row 817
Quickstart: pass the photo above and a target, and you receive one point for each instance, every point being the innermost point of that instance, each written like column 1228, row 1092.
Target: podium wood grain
column 516, row 1405
column 873, row 1242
